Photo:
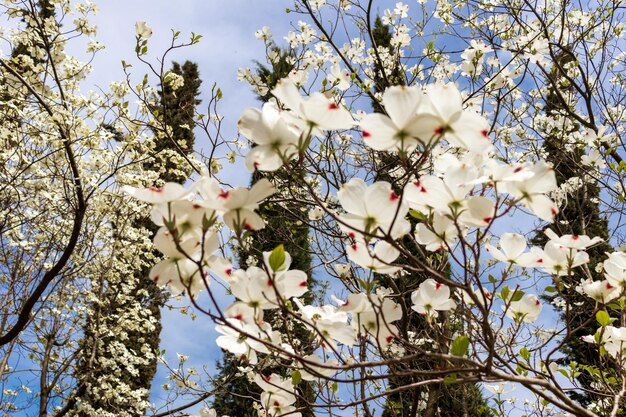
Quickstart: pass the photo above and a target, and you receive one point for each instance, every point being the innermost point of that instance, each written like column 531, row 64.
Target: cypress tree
column 441, row 399
column 121, row 297
column 579, row 215
column 286, row 225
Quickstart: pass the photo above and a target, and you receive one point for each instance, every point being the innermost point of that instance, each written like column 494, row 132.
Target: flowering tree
column 79, row 318
column 492, row 99
column 462, row 176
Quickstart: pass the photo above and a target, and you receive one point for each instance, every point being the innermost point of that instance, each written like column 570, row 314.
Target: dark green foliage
column 175, row 109
column 579, row 215
column 236, row 395
column 443, row 400
column 384, row 77
column 287, row 225
column 279, row 69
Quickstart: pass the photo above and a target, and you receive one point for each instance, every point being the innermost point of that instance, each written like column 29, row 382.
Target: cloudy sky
column 228, row 43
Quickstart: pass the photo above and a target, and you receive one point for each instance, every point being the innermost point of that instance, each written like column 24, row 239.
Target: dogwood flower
column 513, row 246
column 276, row 140
column 593, row 159
column 580, row 242
column 483, row 298
column 235, row 341
column 179, row 275
column 532, row 191
column 377, row 259
column 338, row 77
column 263, row 33
column 432, row 297
column 311, row 372
column 372, row 314
column 207, row 412
column 275, row 385
column 254, row 288
column 183, row 215
column 498, row 389
column 442, row 114
column 615, row 341
column 171, row 191
column 497, row 172
column 600, row 291
column 527, row 309
column 479, row 213
column 317, row 111
column 615, row 269
column 373, row 209
column 241, row 311
column 180, row 270
column 239, row 204
column 143, row 30
column 557, row 259
column 342, row 269
column 329, row 322
column 447, row 195
column 400, row 128
column 441, row 235
column 287, row 283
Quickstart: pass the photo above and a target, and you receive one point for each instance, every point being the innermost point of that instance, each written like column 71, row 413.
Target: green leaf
column 550, row 289
column 524, row 353
column 517, row 295
column 492, row 279
column 296, row 377
column 459, row 346
column 277, row 258
column 505, row 293
column 603, row 318
column 449, row 379
column 417, row 215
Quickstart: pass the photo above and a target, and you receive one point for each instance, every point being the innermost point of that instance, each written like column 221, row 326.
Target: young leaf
column 296, row 377
column 459, row 346
column 505, row 293
column 603, row 318
column 524, row 353
column 517, row 295
column 277, row 258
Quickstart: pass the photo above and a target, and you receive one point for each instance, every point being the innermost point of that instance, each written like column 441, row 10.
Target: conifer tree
column 286, row 225
column 439, row 400
column 123, row 360
column 579, row 214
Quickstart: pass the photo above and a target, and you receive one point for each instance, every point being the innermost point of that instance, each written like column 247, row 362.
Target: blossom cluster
column 465, row 191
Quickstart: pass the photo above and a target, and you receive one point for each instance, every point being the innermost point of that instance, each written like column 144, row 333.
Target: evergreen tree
column 121, row 296
column 579, row 215
column 441, row 400
column 287, row 225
